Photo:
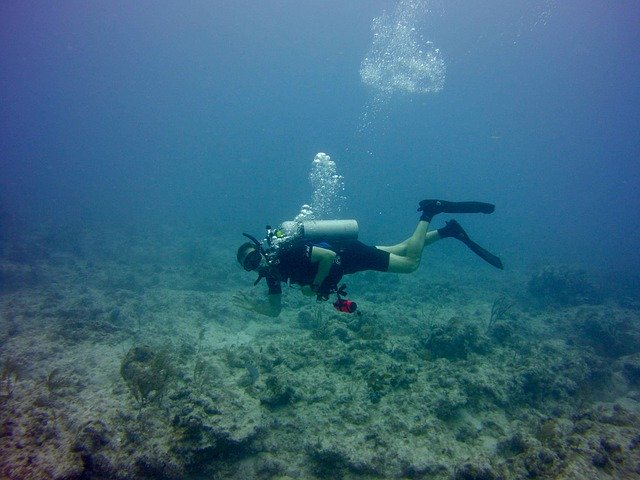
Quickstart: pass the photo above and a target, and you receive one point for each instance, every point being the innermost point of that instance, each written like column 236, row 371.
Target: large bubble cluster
column 327, row 190
column 399, row 59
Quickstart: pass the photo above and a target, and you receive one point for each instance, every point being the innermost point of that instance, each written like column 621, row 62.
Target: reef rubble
column 133, row 369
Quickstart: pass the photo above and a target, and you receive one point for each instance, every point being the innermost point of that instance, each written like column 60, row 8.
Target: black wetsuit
column 292, row 263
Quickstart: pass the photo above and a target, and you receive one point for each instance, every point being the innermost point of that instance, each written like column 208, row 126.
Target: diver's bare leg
column 401, row 248
column 409, row 253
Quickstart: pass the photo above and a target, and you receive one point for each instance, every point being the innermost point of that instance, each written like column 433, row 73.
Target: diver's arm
column 324, row 258
column 271, row 308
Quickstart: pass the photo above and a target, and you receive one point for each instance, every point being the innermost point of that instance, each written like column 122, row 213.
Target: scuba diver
column 318, row 254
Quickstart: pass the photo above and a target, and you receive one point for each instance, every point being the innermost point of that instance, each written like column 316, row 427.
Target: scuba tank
column 330, row 229
column 320, row 229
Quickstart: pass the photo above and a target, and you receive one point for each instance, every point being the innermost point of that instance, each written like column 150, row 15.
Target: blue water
column 210, row 113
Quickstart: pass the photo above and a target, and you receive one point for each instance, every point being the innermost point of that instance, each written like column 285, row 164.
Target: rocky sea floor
column 126, row 359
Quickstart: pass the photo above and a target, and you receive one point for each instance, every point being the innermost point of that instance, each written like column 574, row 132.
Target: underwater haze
column 212, row 112
column 139, row 140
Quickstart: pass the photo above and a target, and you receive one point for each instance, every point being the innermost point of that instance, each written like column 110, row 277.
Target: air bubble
column 328, row 187
column 399, row 60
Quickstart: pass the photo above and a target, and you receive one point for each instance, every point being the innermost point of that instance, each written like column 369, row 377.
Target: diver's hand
column 244, row 301
column 270, row 308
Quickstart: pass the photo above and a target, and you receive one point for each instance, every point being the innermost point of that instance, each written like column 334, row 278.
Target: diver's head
column 249, row 256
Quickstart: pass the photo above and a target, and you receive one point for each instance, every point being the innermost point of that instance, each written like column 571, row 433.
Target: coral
column 366, row 326
column 455, row 340
column 551, row 379
column 563, row 286
column 214, row 427
column 206, row 373
column 499, row 310
column 541, row 461
column 91, row 438
column 609, row 333
column 446, row 403
column 631, row 369
column 516, row 444
column 56, row 381
column 147, row 373
column 9, row 375
column 423, row 469
column 332, row 460
column 310, row 320
column 159, row 467
column 92, row 435
column 383, row 378
column 469, row 471
column 278, row 393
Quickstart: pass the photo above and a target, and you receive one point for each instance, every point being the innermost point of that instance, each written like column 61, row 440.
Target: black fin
column 487, row 256
column 469, row 207
column 442, row 206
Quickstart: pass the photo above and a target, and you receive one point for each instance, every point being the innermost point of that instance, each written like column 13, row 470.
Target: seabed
column 123, row 357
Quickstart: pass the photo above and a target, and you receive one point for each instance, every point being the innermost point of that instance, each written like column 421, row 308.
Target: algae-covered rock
column 610, row 333
column 631, row 369
column 456, row 339
column 541, row 461
column 158, row 466
column 383, row 378
column 215, row 427
column 332, row 459
column 563, row 285
column 147, row 372
column 471, row 471
column 515, row 444
column 448, row 402
column 279, row 392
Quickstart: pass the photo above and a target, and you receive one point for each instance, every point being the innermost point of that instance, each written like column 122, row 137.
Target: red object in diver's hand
column 344, row 305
